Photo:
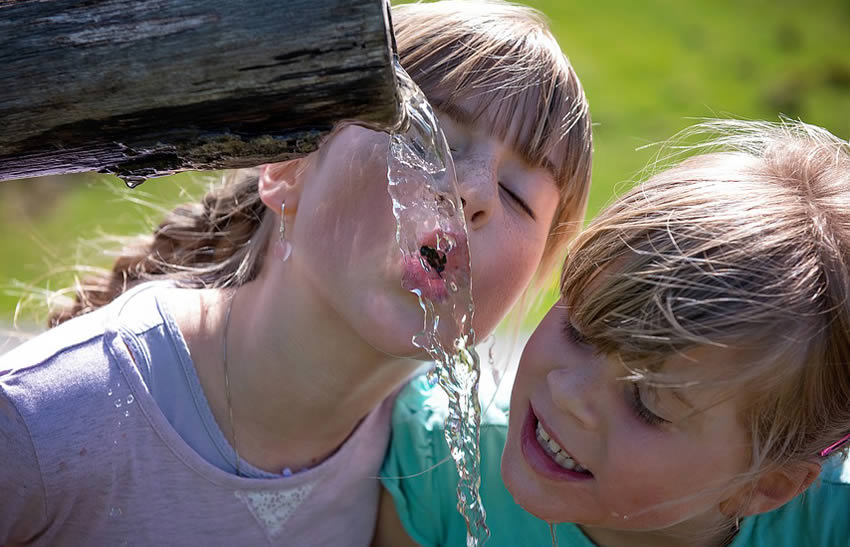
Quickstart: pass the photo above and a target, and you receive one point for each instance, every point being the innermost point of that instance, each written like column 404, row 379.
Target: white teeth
column 556, row 452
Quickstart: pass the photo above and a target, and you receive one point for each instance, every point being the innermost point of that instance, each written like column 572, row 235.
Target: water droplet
column 447, row 243
column 452, row 286
column 126, row 413
column 420, row 340
column 130, row 399
column 118, row 403
column 132, row 180
column 446, row 207
column 115, row 512
column 433, row 377
column 109, row 393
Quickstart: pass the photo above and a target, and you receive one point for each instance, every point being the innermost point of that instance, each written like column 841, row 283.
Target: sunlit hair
column 503, row 59
column 745, row 246
column 500, row 53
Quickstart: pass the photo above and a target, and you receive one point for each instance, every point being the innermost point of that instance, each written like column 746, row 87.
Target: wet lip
column 538, row 459
column 432, row 283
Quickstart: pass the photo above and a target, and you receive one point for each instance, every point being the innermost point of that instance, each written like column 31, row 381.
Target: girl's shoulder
column 78, row 353
column 54, row 343
column 817, row 517
column 422, row 405
column 418, row 470
column 61, row 361
column 418, row 441
column 74, row 379
column 420, row 475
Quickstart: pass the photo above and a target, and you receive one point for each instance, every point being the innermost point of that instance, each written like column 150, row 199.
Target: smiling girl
column 230, row 381
column 692, row 386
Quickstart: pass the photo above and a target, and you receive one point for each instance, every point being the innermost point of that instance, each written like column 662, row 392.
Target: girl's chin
column 392, row 333
column 524, row 484
column 393, row 342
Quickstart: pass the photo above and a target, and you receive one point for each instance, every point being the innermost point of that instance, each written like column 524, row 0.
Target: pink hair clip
column 835, row 446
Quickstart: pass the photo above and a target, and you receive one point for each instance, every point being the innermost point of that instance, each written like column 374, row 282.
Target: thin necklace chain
column 227, row 383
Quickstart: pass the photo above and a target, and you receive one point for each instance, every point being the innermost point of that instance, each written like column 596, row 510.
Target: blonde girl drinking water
column 230, row 380
column 692, row 386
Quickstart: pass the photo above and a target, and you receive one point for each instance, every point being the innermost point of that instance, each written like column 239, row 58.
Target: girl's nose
column 478, row 184
column 574, row 393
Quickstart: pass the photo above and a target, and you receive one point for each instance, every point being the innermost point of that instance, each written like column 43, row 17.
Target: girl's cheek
column 532, row 368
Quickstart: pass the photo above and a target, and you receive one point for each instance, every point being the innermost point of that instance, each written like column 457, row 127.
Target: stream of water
column 432, row 237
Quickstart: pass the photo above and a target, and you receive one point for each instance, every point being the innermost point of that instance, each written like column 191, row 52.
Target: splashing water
column 432, row 236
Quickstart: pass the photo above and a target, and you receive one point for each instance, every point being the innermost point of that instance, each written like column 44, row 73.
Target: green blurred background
column 649, row 69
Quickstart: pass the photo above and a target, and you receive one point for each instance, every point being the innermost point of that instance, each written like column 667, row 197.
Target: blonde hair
column 500, row 52
column 746, row 245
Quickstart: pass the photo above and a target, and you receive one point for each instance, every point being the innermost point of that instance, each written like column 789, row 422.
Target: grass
column 53, row 224
column 649, row 68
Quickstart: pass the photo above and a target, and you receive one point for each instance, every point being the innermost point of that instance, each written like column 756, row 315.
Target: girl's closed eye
column 640, row 409
column 573, row 335
column 517, row 200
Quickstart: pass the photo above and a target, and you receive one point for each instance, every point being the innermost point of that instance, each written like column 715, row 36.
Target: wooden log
column 143, row 88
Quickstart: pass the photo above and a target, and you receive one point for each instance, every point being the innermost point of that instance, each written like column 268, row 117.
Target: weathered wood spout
column 142, row 88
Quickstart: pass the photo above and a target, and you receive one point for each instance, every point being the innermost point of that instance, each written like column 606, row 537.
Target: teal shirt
column 420, row 475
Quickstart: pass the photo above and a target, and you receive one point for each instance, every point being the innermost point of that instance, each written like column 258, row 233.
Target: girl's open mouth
column 546, row 455
column 432, row 270
column 556, row 452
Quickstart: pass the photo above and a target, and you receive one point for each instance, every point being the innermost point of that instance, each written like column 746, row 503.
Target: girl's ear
column 281, row 183
column 773, row 489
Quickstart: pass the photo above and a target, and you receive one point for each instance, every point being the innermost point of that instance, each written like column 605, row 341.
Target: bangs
column 534, row 118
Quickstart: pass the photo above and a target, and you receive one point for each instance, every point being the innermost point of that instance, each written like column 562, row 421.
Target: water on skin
column 423, row 188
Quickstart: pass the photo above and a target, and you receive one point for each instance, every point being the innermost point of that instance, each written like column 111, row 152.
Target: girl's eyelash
column 523, row 205
column 640, row 409
column 635, row 401
column 573, row 335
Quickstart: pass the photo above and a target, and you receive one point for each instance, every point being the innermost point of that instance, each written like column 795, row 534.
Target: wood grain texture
column 146, row 87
